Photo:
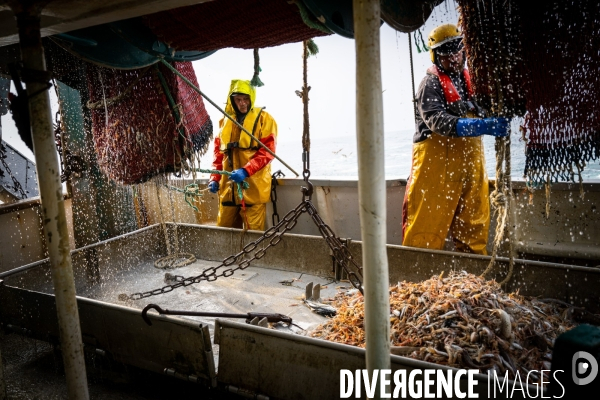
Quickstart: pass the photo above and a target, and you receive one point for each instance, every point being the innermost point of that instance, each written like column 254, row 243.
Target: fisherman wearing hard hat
column 448, row 190
column 235, row 151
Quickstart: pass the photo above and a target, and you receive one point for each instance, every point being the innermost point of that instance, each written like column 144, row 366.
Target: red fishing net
column 541, row 58
column 492, row 38
column 563, row 120
column 219, row 24
column 194, row 117
column 137, row 132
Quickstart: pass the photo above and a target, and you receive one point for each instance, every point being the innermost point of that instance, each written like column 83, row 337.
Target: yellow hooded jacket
column 236, row 149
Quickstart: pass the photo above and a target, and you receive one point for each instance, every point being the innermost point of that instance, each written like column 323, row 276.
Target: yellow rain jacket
column 236, row 149
column 448, row 186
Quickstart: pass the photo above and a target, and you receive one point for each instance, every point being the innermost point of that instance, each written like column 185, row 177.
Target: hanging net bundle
column 195, row 120
column 540, row 60
column 245, row 24
column 146, row 121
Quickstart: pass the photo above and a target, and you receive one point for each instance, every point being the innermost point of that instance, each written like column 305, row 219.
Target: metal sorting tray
column 269, row 362
column 264, row 363
column 175, row 346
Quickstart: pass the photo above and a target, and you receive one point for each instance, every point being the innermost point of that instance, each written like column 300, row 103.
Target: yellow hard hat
column 441, row 35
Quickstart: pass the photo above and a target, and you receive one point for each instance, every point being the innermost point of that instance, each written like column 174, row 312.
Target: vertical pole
column 371, row 183
column 53, row 210
column 412, row 76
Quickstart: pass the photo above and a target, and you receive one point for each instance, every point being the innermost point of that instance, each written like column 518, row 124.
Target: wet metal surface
column 125, row 265
column 34, row 368
column 34, row 371
column 251, row 290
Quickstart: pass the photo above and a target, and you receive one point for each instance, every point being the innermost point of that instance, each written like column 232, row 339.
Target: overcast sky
column 331, row 76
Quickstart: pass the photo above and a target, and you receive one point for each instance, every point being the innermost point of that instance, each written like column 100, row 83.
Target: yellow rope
column 502, row 196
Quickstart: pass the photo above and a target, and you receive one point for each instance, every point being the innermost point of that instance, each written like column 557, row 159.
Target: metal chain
column 211, row 274
column 16, row 184
column 275, row 233
column 274, row 195
column 65, row 172
column 70, row 164
column 308, row 189
column 412, row 76
column 340, row 252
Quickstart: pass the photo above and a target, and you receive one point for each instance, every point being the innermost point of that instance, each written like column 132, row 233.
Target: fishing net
column 195, row 119
column 146, row 121
column 540, row 60
column 241, row 24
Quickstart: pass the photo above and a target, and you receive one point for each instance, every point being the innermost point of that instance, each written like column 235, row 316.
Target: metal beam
column 371, row 183
column 68, row 15
column 53, row 210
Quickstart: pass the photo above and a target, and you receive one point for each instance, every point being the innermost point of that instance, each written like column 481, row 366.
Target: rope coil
column 501, row 199
column 192, row 190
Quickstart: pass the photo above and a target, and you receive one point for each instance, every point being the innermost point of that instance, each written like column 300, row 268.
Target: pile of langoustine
column 461, row 321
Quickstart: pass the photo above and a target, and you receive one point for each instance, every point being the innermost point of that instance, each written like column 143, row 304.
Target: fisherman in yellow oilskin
column 448, row 190
column 235, row 151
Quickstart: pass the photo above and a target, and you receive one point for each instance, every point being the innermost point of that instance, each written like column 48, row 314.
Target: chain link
column 16, row 184
column 340, row 252
column 274, row 236
column 211, row 274
column 308, row 189
column 64, row 168
column 274, row 177
column 59, row 148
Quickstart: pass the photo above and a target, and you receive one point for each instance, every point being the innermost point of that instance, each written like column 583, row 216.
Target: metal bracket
column 263, row 322
column 245, row 393
column 190, row 378
column 313, row 293
column 95, row 350
column 307, row 190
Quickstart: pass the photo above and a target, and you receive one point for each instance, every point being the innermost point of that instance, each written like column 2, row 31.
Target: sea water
column 333, row 156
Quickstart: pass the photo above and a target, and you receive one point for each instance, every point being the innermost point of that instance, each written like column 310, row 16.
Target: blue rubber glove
column 472, row 127
column 213, row 186
column 238, row 175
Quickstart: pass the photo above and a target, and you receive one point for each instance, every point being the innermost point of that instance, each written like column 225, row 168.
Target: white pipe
column 52, row 202
column 371, row 183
